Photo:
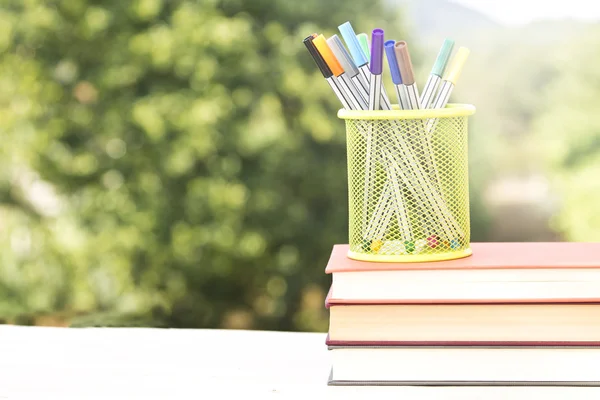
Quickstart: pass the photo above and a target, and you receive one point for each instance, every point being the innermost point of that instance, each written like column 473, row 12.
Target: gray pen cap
column 342, row 55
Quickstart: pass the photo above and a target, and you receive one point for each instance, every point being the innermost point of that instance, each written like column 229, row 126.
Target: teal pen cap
column 353, row 45
column 364, row 43
column 442, row 58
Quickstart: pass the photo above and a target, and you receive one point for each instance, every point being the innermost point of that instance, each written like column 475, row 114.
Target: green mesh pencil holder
column 408, row 184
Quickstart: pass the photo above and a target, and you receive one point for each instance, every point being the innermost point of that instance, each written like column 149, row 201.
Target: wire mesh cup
column 408, row 184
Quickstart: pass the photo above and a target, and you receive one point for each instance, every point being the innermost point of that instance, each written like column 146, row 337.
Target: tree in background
column 170, row 163
column 567, row 133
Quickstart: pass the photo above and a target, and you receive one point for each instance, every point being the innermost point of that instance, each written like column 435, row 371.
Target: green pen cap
column 442, row 58
column 363, row 39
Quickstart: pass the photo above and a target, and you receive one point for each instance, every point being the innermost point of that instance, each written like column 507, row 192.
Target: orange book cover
column 528, row 255
column 329, row 302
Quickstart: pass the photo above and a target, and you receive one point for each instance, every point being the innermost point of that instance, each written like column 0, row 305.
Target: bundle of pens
column 407, row 160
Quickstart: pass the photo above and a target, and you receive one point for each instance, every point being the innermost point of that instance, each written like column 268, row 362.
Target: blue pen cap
column 353, row 44
column 392, row 61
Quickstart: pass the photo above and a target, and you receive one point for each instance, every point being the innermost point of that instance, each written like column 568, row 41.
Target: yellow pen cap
column 454, row 69
column 332, row 62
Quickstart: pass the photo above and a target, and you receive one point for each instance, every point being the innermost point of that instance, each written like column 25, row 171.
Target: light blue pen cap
column 392, row 61
column 353, row 44
column 442, row 59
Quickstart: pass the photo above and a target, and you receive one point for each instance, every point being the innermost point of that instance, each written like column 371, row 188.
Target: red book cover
column 533, row 255
column 486, row 256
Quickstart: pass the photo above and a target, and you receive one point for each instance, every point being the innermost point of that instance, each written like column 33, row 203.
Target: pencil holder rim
column 410, row 258
column 451, row 110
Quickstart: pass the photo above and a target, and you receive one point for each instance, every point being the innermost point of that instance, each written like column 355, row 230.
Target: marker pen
column 408, row 77
column 358, row 55
column 435, row 77
column 376, row 67
column 377, row 101
column 327, row 74
column 344, row 81
column 382, row 214
column 340, row 52
column 450, row 79
column 395, row 71
column 409, row 165
column 361, row 60
column 395, row 171
column 363, row 39
column 364, row 45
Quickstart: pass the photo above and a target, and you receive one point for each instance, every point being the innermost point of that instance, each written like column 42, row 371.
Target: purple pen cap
column 376, row 65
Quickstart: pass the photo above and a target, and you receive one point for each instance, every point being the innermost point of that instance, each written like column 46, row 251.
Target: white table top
column 124, row 363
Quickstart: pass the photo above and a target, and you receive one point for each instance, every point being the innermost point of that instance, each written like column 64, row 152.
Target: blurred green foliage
column 170, row 163
column 179, row 163
column 567, row 131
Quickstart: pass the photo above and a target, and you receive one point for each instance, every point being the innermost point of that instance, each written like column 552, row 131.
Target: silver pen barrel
column 429, row 92
column 363, row 90
column 402, row 97
column 440, row 102
column 353, row 98
column 412, row 97
column 339, row 93
column 375, row 92
column 365, row 73
column 353, row 91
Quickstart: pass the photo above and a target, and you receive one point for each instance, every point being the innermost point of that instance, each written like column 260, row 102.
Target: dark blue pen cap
column 376, row 64
column 391, row 56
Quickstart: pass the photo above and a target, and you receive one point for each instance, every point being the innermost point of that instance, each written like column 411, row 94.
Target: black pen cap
column 308, row 42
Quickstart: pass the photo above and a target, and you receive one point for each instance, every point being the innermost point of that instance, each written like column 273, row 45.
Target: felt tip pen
column 417, row 141
column 378, row 100
column 356, row 101
column 326, row 71
column 408, row 77
column 395, row 171
column 435, row 77
column 395, row 71
column 376, row 67
column 342, row 97
column 336, row 45
column 382, row 214
column 450, row 78
column 363, row 39
column 360, row 58
column 373, row 104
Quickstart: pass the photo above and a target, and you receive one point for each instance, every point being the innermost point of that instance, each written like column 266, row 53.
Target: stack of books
column 510, row 314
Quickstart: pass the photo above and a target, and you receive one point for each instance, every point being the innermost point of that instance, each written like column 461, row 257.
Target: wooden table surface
column 124, row 363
